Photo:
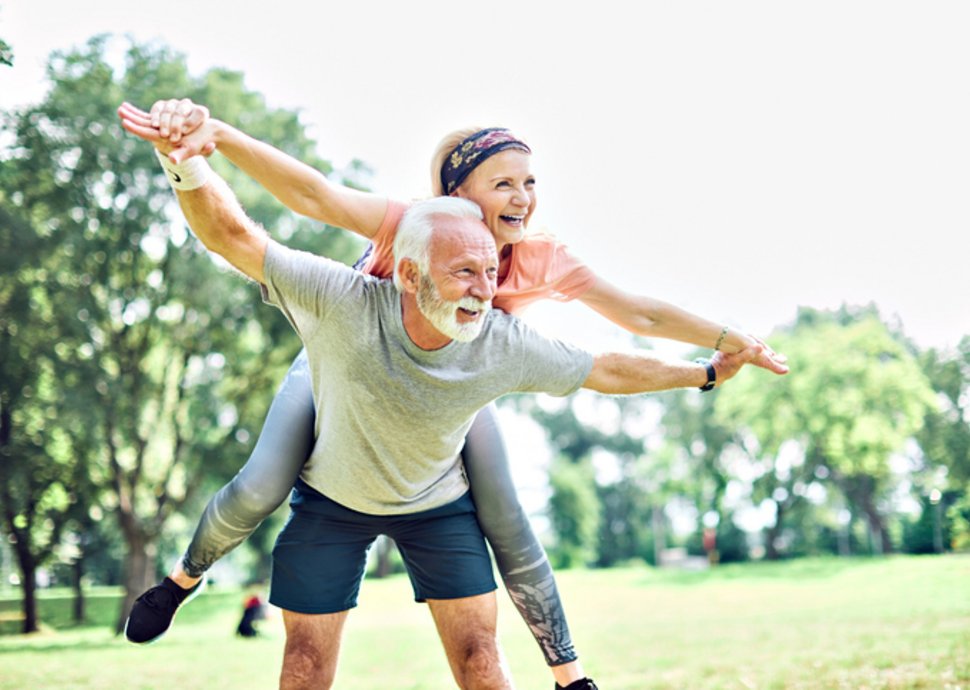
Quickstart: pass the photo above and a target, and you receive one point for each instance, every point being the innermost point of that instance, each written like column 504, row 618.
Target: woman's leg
column 521, row 559
column 265, row 480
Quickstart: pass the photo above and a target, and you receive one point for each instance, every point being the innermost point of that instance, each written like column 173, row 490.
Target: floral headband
column 475, row 150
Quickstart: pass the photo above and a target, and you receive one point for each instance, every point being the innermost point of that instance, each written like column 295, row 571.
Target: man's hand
column 189, row 134
column 726, row 366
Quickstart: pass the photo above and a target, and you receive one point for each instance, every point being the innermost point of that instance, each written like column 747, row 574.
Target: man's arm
column 640, row 372
column 220, row 223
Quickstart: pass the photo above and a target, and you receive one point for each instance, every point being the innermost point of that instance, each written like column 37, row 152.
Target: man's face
column 444, row 314
column 457, row 291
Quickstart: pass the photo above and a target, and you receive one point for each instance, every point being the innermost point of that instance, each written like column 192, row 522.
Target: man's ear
column 407, row 271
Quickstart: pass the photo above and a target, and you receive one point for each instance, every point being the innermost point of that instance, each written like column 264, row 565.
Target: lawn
column 901, row 622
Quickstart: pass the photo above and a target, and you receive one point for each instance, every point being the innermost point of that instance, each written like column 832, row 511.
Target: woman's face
column 504, row 188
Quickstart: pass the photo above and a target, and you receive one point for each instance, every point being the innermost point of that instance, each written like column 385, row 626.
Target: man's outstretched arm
column 214, row 214
column 220, row 223
column 641, row 372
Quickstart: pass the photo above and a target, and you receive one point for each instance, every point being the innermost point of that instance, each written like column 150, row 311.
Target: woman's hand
column 178, row 128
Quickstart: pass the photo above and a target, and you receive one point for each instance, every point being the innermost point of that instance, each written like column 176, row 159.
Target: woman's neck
column 504, row 262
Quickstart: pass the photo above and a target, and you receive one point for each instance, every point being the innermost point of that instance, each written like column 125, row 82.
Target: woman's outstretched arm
column 190, row 131
column 646, row 316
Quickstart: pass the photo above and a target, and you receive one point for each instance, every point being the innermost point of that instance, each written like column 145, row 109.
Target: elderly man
column 399, row 372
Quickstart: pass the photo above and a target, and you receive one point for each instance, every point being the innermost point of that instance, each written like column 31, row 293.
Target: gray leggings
column 283, row 447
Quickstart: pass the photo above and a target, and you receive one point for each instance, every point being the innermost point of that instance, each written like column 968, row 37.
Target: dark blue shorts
column 321, row 553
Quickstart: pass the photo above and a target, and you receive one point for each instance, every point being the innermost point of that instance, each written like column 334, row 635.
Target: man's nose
column 483, row 287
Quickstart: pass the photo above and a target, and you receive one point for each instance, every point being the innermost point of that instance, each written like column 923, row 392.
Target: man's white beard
column 443, row 314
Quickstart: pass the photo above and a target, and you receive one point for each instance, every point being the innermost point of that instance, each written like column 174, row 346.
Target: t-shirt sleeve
column 381, row 261
column 304, row 286
column 550, row 366
column 570, row 276
column 543, row 268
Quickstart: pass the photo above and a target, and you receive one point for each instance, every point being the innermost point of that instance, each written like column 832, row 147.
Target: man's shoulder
column 506, row 327
column 281, row 256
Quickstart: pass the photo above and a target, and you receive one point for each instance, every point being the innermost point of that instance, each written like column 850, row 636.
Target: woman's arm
column 296, row 185
column 646, row 316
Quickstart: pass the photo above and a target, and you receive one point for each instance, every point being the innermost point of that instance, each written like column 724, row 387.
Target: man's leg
column 312, row 646
column 467, row 628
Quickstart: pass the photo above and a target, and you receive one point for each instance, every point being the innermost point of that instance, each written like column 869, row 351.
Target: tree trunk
column 773, row 533
column 139, row 573
column 845, row 546
column 880, row 537
column 659, row 539
column 78, row 591
column 28, row 580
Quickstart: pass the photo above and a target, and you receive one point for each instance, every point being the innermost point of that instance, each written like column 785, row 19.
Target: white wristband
column 187, row 175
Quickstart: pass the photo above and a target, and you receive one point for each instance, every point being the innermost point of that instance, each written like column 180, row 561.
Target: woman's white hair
column 413, row 237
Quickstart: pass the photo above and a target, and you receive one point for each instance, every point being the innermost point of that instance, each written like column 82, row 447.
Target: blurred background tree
column 858, row 396
column 130, row 356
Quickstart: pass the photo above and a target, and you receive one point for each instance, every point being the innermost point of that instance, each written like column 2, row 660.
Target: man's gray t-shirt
column 391, row 417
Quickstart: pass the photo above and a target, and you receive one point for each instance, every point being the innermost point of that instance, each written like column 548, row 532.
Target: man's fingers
column 192, row 146
column 135, row 117
column 183, row 153
column 147, row 133
column 135, row 112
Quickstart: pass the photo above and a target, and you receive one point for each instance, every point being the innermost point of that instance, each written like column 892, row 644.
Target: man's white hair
column 413, row 240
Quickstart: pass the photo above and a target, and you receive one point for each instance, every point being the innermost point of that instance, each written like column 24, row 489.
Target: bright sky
column 736, row 158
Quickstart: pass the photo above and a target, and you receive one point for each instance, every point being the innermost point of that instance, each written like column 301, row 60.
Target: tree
column 574, row 512
column 945, row 438
column 39, row 470
column 945, row 435
column 176, row 358
column 695, row 439
column 6, row 54
column 854, row 397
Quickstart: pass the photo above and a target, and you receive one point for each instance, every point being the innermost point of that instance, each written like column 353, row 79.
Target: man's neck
column 418, row 328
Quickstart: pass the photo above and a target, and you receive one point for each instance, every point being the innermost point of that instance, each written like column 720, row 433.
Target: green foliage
column 855, row 396
column 6, row 54
column 156, row 362
column 574, row 512
column 945, row 435
column 624, row 532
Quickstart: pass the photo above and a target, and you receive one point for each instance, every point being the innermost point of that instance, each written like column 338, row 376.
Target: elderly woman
column 492, row 168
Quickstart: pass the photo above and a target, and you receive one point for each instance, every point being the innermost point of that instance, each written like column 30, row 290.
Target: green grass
column 901, row 622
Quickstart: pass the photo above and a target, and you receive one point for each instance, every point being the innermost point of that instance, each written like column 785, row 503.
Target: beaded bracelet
column 720, row 338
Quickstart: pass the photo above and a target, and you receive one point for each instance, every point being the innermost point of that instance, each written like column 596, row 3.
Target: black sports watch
column 711, row 373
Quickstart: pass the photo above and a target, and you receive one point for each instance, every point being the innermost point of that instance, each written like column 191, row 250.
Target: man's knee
column 480, row 663
column 312, row 645
column 305, row 665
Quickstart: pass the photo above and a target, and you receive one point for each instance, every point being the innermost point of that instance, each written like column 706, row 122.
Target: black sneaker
column 582, row 684
column 153, row 612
